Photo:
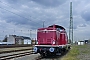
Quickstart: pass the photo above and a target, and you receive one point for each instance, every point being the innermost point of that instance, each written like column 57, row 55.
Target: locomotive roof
column 57, row 26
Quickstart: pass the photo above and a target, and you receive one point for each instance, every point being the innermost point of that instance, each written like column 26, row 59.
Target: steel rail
column 15, row 55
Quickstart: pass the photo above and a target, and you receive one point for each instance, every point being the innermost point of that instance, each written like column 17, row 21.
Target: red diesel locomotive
column 51, row 40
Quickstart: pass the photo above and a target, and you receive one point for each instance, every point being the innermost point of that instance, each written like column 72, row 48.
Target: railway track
column 14, row 49
column 12, row 46
column 11, row 53
column 29, row 55
column 48, row 58
column 55, row 57
column 7, row 57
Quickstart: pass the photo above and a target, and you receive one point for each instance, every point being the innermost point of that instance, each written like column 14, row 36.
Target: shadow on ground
column 56, row 57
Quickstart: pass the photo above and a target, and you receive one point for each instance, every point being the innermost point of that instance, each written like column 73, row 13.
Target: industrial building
column 17, row 40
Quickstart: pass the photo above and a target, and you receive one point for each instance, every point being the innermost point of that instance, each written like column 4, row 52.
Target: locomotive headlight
column 53, row 42
column 37, row 42
column 51, row 49
column 35, row 49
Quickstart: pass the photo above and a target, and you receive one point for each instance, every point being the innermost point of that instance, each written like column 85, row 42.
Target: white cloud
column 30, row 14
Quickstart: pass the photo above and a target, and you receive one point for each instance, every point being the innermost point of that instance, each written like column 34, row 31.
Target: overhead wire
column 16, row 13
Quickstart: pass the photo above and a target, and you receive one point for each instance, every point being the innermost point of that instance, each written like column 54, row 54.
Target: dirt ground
column 84, row 52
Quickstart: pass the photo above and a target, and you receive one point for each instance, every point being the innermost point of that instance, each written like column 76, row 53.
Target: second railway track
column 10, row 53
column 15, row 55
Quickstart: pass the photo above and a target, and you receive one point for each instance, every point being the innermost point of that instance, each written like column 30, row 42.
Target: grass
column 78, row 52
column 82, row 46
column 72, row 54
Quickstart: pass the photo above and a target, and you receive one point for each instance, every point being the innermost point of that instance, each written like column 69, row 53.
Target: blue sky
column 20, row 16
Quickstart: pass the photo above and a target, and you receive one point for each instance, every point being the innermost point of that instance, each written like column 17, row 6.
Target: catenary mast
column 71, row 25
